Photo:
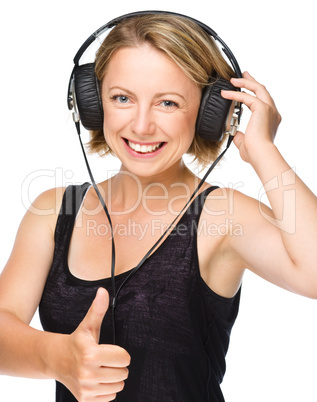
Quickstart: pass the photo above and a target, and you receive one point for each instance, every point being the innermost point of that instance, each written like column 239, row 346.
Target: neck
column 129, row 190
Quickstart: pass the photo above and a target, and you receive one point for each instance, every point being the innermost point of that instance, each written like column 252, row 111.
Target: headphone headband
column 84, row 98
column 116, row 20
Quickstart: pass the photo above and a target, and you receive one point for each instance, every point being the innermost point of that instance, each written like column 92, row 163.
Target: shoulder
column 234, row 216
column 49, row 199
column 239, row 222
column 230, row 203
column 224, row 196
column 46, row 206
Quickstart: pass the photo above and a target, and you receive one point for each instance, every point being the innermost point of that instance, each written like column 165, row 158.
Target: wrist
column 264, row 153
column 52, row 353
column 269, row 163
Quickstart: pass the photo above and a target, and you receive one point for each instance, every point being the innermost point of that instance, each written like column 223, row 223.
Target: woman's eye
column 120, row 98
column 169, row 104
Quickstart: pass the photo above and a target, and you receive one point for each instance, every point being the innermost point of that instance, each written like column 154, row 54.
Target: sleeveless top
column 175, row 328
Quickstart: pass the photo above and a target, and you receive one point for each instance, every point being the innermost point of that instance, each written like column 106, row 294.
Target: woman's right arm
column 76, row 360
column 21, row 285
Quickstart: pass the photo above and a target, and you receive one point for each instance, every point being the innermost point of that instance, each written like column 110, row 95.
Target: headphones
column 215, row 117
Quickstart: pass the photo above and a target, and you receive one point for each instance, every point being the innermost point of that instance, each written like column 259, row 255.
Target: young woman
column 171, row 319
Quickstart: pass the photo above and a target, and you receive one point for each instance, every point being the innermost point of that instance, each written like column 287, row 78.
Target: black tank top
column 175, row 328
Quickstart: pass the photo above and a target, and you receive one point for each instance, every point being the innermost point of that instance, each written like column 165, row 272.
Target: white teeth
column 144, row 149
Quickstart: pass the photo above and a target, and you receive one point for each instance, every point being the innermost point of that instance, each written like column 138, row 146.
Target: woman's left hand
column 264, row 121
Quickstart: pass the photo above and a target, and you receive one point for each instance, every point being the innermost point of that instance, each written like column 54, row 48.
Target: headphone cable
column 115, row 293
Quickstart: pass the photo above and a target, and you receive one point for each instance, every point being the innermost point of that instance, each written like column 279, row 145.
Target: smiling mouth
column 144, row 149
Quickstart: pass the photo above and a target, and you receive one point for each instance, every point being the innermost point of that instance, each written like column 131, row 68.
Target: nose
column 143, row 123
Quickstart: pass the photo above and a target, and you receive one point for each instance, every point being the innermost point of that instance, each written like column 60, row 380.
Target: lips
column 142, row 148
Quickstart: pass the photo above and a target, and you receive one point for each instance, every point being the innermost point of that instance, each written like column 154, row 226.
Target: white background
column 273, row 350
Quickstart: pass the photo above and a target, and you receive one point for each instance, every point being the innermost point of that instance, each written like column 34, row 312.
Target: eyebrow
column 169, row 93
column 158, row 95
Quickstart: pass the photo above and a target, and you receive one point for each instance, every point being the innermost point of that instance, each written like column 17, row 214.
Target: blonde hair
column 187, row 44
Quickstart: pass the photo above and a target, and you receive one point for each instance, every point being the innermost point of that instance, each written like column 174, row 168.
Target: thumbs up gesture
column 91, row 371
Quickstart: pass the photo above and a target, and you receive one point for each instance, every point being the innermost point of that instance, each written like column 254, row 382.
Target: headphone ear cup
column 214, row 110
column 88, row 98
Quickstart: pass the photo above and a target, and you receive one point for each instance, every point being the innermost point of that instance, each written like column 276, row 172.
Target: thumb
column 94, row 317
column 238, row 139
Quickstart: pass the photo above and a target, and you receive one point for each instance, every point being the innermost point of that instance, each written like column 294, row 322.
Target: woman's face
column 150, row 109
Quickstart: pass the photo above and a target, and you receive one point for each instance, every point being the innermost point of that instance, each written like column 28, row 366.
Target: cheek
column 188, row 125
column 114, row 121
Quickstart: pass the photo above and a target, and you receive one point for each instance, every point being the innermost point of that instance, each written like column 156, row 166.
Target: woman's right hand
column 92, row 372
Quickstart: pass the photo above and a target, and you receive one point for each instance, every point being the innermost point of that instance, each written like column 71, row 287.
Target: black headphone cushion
column 211, row 119
column 214, row 110
column 88, row 97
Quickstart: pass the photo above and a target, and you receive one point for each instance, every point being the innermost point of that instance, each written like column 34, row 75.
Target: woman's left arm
column 279, row 244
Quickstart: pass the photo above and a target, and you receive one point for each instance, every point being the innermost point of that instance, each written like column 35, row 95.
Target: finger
column 249, row 83
column 113, row 356
column 107, row 398
column 94, row 317
column 109, row 375
column 102, row 392
column 247, row 75
column 107, row 389
column 249, row 100
column 238, row 139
